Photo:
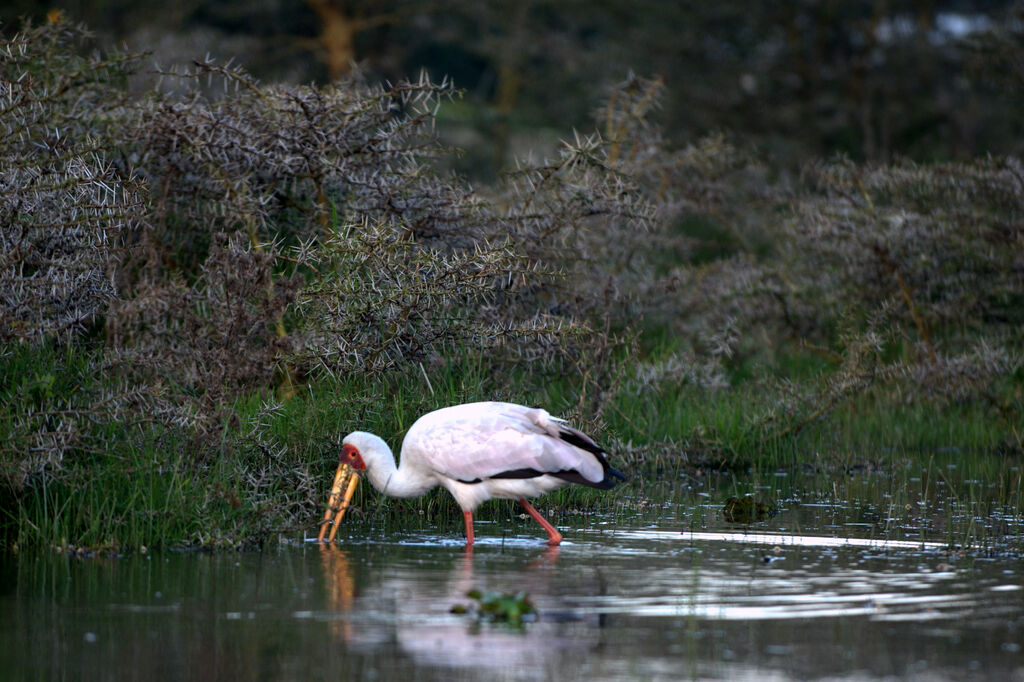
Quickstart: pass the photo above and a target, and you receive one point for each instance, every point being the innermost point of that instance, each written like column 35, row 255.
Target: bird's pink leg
column 554, row 536
column 469, row 527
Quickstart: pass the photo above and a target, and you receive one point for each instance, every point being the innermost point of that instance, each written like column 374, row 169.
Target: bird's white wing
column 478, row 441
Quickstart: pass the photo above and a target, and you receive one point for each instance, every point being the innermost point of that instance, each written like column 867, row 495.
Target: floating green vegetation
column 746, row 510
column 492, row 606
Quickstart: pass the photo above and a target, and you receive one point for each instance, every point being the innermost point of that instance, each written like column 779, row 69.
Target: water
column 623, row 600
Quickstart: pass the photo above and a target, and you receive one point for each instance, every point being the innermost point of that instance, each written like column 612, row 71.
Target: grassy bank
column 123, row 486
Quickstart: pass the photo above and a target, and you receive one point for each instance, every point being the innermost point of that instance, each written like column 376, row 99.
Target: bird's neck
column 397, row 481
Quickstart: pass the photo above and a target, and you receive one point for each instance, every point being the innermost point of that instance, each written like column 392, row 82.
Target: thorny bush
column 64, row 207
column 230, row 240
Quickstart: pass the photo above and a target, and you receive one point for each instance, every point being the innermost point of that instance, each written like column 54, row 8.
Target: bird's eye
column 350, row 455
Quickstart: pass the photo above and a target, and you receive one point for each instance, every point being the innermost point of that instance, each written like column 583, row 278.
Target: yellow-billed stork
column 477, row 451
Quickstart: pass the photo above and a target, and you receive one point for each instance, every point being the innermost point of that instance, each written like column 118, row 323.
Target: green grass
column 132, row 499
column 122, row 486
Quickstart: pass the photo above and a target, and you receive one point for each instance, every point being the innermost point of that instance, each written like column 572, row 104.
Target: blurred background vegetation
column 918, row 79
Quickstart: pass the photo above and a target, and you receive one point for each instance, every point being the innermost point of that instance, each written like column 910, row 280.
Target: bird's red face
column 350, row 455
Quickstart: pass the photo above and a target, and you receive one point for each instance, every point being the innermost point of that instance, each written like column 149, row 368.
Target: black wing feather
column 576, row 439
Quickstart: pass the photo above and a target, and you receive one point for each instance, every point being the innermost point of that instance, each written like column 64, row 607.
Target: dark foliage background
column 921, row 80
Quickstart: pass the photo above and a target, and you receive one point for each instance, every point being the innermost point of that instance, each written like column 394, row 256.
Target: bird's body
column 480, row 451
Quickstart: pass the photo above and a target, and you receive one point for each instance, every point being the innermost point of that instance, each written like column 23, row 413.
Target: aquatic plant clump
column 492, row 606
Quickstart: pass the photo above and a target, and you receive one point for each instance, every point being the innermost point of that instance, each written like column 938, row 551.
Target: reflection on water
column 411, row 609
column 340, row 589
column 878, row 595
column 796, row 540
column 635, row 603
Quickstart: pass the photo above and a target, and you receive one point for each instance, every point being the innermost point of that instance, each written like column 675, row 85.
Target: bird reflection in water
column 340, row 586
column 409, row 606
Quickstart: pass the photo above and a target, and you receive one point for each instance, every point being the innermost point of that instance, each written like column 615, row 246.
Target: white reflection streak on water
column 796, row 540
column 877, row 606
column 784, row 593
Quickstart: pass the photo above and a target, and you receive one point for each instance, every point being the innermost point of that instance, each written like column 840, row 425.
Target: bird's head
column 358, row 449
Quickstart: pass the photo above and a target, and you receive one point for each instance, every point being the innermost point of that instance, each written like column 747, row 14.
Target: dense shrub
column 206, row 236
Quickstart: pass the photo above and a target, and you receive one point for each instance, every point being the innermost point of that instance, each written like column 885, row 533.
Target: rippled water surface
column 613, row 602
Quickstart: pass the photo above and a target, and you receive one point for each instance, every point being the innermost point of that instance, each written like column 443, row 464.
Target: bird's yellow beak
column 345, row 479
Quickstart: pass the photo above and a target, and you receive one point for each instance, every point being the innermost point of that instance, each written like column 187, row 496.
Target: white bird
column 477, row 451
